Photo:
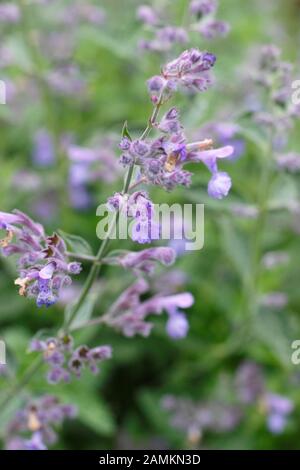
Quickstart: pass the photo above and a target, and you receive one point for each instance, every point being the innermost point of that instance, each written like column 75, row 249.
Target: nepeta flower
column 273, row 259
column 64, row 360
column 9, row 13
column 211, row 28
column 140, row 208
column 144, row 261
column 249, row 382
column 203, row 7
column 43, row 266
column 278, row 409
column 147, row 15
column 32, row 428
column 43, row 152
column 195, row 417
column 274, row 300
column 129, row 314
column 289, row 161
column 219, row 185
column 177, row 325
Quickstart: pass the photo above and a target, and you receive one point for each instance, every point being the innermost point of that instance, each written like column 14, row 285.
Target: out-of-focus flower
column 278, row 409
column 39, row 418
column 88, row 165
column 129, row 313
column 147, row 15
column 195, row 418
column 67, row 81
column 9, row 13
column 274, row 300
column 43, row 151
column 249, row 382
column 211, row 28
column 289, row 161
column 244, row 211
column 273, row 259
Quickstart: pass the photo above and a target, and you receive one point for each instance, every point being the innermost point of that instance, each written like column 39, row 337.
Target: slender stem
column 81, row 257
column 137, row 183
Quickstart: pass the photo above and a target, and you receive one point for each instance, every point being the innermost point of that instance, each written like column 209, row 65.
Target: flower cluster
column 129, row 313
column 9, row 13
column 42, row 262
column 207, row 24
column 140, row 209
column 144, row 261
column 165, row 37
column 191, row 71
column 194, row 418
column 89, row 165
column 65, row 361
column 275, row 111
column 162, row 159
column 251, row 389
column 33, row 427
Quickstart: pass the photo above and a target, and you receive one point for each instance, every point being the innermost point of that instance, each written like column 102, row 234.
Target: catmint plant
column 44, row 263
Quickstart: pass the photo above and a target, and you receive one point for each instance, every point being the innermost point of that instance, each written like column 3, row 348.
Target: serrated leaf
column 76, row 243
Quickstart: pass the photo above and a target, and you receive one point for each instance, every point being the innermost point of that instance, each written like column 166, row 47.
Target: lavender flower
column 272, row 259
column 194, row 418
column 211, row 28
column 128, row 314
column 147, row 15
column 249, row 382
column 289, row 161
column 278, row 409
column 43, row 266
column 140, row 208
column 9, row 13
column 39, row 417
column 203, row 7
column 177, row 325
column 43, row 152
column 274, row 300
column 145, row 260
column 64, row 361
column 219, row 185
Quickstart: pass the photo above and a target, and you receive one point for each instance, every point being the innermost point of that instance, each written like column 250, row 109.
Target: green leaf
column 92, row 410
column 274, row 330
column 125, row 131
column 77, row 244
column 236, row 247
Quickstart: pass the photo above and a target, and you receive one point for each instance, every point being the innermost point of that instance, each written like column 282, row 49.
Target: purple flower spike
column 177, row 325
column 219, row 185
